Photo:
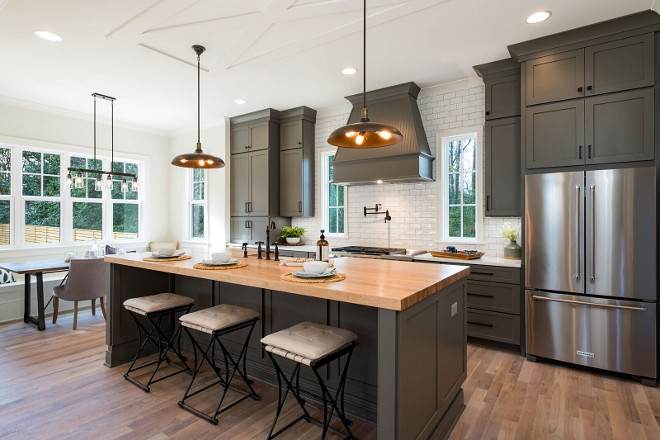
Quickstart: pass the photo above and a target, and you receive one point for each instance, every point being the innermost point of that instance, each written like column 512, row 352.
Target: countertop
column 385, row 284
column 303, row 248
column 483, row 261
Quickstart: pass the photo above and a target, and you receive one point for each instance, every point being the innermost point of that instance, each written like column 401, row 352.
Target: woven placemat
column 202, row 266
column 289, row 276
column 167, row 260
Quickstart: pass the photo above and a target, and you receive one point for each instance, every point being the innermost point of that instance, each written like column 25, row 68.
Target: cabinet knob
column 589, row 87
column 487, row 113
column 299, row 143
column 579, row 89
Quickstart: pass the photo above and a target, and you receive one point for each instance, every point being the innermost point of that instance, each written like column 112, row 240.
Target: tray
column 460, row 255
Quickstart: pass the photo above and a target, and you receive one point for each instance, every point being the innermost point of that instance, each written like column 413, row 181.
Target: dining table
column 37, row 268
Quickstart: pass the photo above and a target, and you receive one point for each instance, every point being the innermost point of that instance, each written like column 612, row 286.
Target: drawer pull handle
column 481, row 294
column 585, row 303
column 483, row 324
column 490, row 274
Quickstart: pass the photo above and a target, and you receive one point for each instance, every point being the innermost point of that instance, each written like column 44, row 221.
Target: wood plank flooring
column 53, row 386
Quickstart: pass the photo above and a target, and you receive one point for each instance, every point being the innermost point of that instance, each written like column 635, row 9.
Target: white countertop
column 483, row 261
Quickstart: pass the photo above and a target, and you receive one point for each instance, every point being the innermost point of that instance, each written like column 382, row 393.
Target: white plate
column 174, row 255
column 303, row 274
column 216, row 263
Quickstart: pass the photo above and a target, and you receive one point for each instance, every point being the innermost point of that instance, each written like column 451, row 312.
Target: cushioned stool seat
column 307, row 342
column 217, row 318
column 156, row 303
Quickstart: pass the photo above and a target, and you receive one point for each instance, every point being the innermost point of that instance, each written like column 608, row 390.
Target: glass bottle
column 322, row 248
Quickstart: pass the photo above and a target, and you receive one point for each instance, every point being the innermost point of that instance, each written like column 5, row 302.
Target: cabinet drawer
column 493, row 326
column 495, row 274
column 493, row 296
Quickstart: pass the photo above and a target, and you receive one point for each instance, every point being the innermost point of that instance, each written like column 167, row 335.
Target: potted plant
column 511, row 250
column 292, row 235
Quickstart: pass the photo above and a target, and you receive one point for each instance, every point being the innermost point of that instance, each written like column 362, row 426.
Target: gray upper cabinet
column 554, row 77
column 239, row 181
column 297, row 162
column 619, row 127
column 502, row 97
column 258, row 136
column 258, row 186
column 248, row 229
column 554, row 134
column 502, row 183
column 249, row 136
column 619, row 65
column 240, row 139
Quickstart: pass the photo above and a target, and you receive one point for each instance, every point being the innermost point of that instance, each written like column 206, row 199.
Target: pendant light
column 365, row 134
column 198, row 159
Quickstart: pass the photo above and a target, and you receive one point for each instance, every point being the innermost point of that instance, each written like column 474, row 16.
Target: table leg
column 41, row 325
column 28, row 281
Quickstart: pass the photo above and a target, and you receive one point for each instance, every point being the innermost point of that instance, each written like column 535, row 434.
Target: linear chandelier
column 78, row 181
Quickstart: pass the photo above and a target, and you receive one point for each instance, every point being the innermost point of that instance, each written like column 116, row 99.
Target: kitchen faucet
column 269, row 228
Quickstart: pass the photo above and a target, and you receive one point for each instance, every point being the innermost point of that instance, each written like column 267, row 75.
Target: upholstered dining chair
column 88, row 279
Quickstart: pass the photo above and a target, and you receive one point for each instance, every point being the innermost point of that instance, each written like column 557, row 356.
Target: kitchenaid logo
column 585, row 354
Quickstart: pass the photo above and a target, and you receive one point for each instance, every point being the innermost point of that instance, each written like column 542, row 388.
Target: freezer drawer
column 614, row 335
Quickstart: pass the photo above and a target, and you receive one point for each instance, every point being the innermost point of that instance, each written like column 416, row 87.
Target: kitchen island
column 407, row 371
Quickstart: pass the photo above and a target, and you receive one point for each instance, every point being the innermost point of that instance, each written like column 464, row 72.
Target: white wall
column 413, row 206
column 213, row 142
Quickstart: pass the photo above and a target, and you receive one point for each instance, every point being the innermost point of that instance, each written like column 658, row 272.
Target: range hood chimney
column 408, row 161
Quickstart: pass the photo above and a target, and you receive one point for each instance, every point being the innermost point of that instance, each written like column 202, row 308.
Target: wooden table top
column 393, row 285
column 23, row 267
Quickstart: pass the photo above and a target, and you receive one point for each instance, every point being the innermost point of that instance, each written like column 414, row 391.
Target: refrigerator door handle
column 592, row 190
column 586, row 303
column 577, row 232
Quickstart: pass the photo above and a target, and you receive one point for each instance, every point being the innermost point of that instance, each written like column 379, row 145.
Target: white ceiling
column 272, row 53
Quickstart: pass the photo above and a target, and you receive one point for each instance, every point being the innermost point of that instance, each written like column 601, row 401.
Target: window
column 125, row 207
column 334, row 199
column 41, row 195
column 460, row 212
column 87, row 205
column 197, row 203
column 5, row 196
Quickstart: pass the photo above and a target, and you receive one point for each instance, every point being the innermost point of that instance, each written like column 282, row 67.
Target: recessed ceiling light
column 538, row 17
column 48, row 36
column 240, row 101
column 349, row 71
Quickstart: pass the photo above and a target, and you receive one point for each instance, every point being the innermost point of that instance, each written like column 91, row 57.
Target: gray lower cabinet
column 258, row 174
column 503, row 167
column 502, row 97
column 248, row 229
column 554, row 77
column 554, row 134
column 619, row 127
column 239, row 181
column 499, row 327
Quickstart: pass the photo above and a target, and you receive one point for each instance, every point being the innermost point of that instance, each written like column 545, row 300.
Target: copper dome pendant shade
column 198, row 159
column 365, row 134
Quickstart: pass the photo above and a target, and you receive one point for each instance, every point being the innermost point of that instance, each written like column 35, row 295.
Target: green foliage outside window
column 462, row 180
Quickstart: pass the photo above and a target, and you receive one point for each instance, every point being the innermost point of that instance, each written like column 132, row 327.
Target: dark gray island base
column 405, row 375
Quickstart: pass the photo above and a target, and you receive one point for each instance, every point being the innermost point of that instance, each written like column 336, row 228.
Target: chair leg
column 94, row 307
column 56, row 306
column 75, row 314
column 103, row 309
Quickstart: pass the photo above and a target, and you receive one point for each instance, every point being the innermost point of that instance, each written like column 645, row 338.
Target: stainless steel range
column 365, row 250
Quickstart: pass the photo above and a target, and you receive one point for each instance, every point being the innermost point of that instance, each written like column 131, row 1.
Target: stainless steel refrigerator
column 590, row 268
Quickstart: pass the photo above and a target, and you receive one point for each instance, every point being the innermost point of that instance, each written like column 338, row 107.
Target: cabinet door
column 503, row 167
column 258, row 229
column 619, row 127
column 291, row 135
column 259, row 136
column 555, row 77
column 239, row 181
column 239, row 231
column 258, row 183
column 503, row 97
column 554, row 135
column 239, row 139
column 619, row 65
column 291, row 190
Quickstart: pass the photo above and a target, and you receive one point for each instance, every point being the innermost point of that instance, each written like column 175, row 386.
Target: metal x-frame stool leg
column 163, row 343
column 232, row 366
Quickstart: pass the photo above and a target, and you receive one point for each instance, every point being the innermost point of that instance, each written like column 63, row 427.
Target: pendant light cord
column 112, row 134
column 198, row 99
column 364, row 56
column 95, row 131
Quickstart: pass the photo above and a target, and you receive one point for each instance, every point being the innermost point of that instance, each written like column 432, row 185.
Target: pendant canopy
column 365, row 134
column 198, row 159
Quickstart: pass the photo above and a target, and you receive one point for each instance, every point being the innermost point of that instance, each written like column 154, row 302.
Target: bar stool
column 314, row 345
column 155, row 308
column 218, row 321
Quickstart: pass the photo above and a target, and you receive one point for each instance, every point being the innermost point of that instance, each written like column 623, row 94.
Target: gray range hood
column 408, row 161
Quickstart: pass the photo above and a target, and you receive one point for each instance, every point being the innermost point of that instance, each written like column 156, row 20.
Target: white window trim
column 17, row 200
column 323, row 155
column 443, row 138
column 191, row 202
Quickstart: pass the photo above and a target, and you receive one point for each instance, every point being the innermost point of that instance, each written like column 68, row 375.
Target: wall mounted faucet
column 377, row 211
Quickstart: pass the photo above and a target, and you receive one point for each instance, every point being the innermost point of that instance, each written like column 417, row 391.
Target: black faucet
column 269, row 228
column 244, row 247
column 259, row 243
column 277, row 253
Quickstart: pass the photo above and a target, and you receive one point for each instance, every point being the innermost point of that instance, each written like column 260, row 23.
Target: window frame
column 324, row 156
column 10, row 197
column 442, row 172
column 190, row 188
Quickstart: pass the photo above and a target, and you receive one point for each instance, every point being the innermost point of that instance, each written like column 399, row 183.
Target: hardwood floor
column 53, row 386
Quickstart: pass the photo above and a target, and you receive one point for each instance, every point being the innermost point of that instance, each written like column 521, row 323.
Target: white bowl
column 165, row 251
column 293, row 240
column 315, row 266
column 221, row 257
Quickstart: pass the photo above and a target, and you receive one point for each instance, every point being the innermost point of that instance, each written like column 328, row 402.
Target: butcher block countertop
column 385, row 284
